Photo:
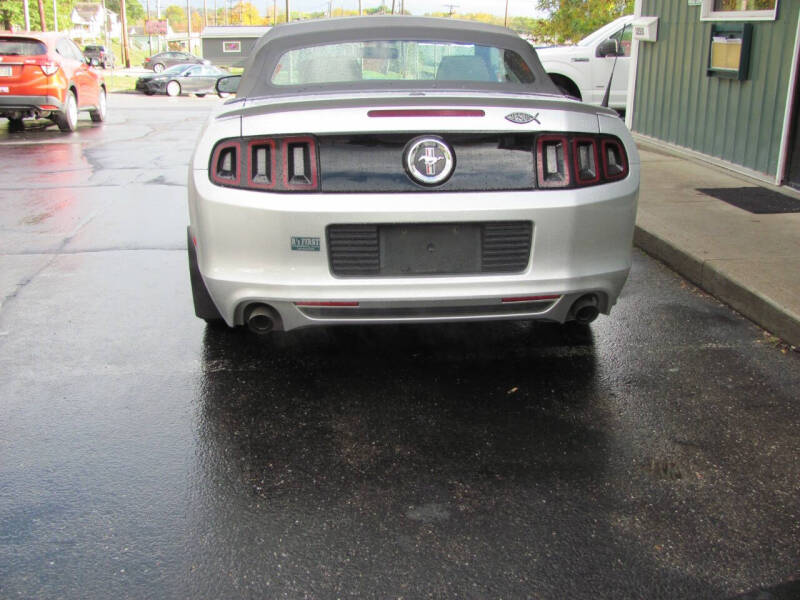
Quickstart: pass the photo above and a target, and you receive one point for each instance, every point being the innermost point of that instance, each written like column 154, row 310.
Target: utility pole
column 188, row 27
column 205, row 13
column 274, row 12
column 41, row 15
column 27, row 15
column 505, row 23
column 126, row 55
column 149, row 37
column 55, row 16
column 359, row 8
column 392, row 6
column 288, row 18
column 452, row 9
column 106, row 40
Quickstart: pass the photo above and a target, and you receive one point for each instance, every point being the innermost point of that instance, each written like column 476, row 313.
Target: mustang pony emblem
column 429, row 160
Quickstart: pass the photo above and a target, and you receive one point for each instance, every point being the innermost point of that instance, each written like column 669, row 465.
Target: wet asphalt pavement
column 143, row 455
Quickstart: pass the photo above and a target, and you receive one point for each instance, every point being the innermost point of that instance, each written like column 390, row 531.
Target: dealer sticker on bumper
column 305, row 244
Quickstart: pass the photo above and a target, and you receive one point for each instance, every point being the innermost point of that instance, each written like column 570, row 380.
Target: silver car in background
column 406, row 169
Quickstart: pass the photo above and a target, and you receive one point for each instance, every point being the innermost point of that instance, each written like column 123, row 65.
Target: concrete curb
column 764, row 311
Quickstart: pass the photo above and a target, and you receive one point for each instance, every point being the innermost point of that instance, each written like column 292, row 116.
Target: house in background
column 718, row 80
column 87, row 21
column 230, row 45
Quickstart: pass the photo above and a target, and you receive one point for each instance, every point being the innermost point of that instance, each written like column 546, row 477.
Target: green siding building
column 721, row 80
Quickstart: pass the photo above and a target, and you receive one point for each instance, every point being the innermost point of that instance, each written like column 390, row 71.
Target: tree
column 197, row 20
column 176, row 17
column 570, row 20
column 11, row 14
column 245, row 13
column 133, row 10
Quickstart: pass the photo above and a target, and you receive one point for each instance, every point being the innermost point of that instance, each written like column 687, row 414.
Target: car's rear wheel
column 158, row 67
column 204, row 306
column 99, row 114
column 67, row 120
column 173, row 88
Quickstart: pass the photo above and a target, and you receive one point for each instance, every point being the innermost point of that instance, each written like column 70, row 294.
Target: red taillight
column 48, row 107
column 552, row 163
column 225, row 164
column 273, row 164
column 615, row 161
column 584, row 160
column 47, row 66
column 299, row 164
column 261, row 164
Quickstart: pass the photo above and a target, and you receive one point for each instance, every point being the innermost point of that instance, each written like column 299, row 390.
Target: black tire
column 67, row 120
column 149, row 93
column 15, row 125
column 204, row 306
column 200, row 95
column 98, row 115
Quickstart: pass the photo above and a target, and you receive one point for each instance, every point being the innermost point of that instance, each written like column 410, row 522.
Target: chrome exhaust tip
column 260, row 318
column 585, row 310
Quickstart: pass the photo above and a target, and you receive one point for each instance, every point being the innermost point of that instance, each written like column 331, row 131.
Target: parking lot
column 144, row 455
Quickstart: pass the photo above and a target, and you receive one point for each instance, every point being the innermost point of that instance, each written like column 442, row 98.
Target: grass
column 120, row 83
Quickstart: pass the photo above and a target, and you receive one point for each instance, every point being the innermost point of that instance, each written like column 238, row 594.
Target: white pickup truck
column 582, row 73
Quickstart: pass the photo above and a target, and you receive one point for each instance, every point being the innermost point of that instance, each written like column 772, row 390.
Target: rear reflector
column 48, row 107
column 530, row 298
column 326, row 303
column 427, row 113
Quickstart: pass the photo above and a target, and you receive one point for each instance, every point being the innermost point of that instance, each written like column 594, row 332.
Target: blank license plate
column 5, row 71
column 430, row 249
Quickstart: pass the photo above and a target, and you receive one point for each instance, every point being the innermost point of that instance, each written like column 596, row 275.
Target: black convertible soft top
column 256, row 81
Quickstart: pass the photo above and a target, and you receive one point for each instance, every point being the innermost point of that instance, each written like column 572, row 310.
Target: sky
column 516, row 8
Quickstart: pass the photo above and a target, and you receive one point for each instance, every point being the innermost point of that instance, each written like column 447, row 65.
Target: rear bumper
column 582, row 242
column 15, row 103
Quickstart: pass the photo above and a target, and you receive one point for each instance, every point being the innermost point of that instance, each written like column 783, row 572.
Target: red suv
column 45, row 75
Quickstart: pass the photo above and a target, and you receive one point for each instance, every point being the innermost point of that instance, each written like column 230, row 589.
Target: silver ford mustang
column 406, row 169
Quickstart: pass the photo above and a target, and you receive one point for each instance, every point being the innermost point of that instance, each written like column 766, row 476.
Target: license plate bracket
column 430, row 249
